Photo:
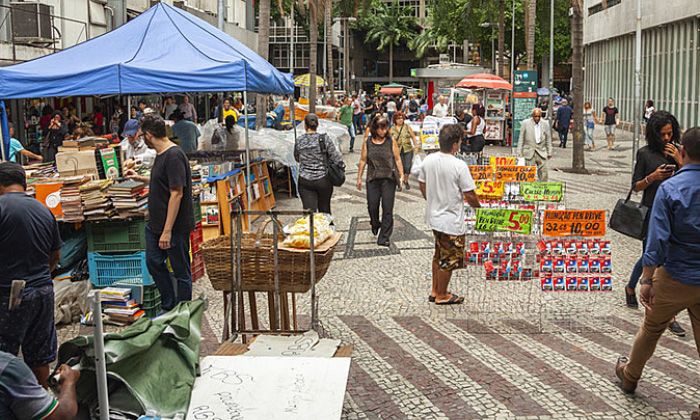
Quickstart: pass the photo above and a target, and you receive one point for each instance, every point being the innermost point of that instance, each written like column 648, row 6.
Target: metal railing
column 8, row 34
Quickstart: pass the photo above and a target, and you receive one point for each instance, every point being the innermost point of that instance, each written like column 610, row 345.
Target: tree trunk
column 501, row 38
column 578, row 161
column 391, row 63
column 313, row 54
column 264, row 51
column 328, row 15
column 531, row 23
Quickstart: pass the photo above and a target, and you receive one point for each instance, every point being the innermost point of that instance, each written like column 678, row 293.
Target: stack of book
column 130, row 198
column 71, row 200
column 96, row 202
column 118, row 306
column 78, row 145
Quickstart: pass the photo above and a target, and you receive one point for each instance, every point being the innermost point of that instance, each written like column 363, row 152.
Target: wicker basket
column 258, row 268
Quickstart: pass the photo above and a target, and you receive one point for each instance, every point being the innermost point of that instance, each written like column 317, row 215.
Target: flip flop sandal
column 431, row 298
column 453, row 300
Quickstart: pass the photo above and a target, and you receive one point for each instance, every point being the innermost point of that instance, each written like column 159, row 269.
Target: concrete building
column 670, row 56
column 31, row 29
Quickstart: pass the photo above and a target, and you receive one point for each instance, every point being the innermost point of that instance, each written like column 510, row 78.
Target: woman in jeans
column 475, row 129
column 589, row 118
column 405, row 138
column 656, row 161
column 384, row 173
column 312, row 150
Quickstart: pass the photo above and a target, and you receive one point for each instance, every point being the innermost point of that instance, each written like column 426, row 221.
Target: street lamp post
column 550, row 106
column 493, row 44
column 346, row 47
column 512, row 45
column 637, row 83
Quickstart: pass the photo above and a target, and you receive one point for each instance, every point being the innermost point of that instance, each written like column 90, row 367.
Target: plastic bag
column 417, row 163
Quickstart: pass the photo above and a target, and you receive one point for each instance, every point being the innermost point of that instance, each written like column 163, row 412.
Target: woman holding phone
column 656, row 161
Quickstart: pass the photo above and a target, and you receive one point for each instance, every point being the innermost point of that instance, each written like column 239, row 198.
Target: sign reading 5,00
column 588, row 223
column 503, row 220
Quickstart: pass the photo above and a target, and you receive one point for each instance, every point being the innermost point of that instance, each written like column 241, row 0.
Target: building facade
column 670, row 56
column 34, row 28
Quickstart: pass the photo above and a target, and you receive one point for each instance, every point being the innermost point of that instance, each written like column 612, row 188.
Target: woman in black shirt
column 656, row 161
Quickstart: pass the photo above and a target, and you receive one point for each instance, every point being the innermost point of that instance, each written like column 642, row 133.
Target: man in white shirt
column 535, row 143
column 445, row 182
column 440, row 109
column 134, row 148
column 390, row 110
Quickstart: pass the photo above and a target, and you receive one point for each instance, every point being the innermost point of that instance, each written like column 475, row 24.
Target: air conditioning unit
column 31, row 23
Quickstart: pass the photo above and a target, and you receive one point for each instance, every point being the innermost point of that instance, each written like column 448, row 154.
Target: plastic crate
column 197, row 266
column 153, row 310
column 196, row 238
column 105, row 270
column 151, row 295
column 117, row 236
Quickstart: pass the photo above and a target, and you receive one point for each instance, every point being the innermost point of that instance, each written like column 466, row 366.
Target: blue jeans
column 589, row 135
column 563, row 134
column 390, row 117
column 351, row 131
column 357, row 122
column 171, row 293
column 637, row 269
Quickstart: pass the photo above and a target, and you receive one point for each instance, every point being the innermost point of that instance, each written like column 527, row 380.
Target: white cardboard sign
column 269, row 388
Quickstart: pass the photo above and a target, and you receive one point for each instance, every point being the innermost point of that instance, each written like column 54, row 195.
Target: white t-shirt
column 440, row 110
column 391, row 106
column 445, row 178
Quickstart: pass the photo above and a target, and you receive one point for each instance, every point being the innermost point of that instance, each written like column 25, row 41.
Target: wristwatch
column 646, row 281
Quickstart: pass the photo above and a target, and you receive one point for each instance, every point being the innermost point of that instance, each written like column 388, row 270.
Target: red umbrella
column 484, row 81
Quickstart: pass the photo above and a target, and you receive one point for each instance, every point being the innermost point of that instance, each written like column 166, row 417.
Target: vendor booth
column 493, row 93
column 163, row 50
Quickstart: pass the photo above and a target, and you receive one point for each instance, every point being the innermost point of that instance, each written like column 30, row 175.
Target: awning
column 484, row 81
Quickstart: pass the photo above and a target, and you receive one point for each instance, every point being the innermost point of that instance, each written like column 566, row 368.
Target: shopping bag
column 417, row 163
column 628, row 218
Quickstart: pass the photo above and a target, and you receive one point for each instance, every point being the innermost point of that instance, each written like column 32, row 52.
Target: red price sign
column 587, row 223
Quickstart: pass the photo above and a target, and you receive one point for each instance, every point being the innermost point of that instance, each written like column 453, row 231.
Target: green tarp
column 152, row 364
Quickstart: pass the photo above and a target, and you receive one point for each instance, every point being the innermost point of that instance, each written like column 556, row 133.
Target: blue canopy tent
column 163, row 50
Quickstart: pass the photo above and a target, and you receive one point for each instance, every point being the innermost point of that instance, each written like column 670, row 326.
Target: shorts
column 610, row 129
column 31, row 326
column 449, row 251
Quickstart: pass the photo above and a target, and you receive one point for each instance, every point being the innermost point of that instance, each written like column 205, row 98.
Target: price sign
column 429, row 136
column 504, row 220
column 542, row 191
column 490, row 189
column 503, row 160
column 588, row 223
column 481, row 172
column 512, row 173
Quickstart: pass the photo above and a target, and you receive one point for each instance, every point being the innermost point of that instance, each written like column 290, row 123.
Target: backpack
column 413, row 106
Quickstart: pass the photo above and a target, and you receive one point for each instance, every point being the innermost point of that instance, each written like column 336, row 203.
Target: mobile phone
column 668, row 167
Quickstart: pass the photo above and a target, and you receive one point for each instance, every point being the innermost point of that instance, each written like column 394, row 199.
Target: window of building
column 601, row 6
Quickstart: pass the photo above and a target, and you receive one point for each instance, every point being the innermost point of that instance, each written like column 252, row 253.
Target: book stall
column 166, row 348
column 526, row 242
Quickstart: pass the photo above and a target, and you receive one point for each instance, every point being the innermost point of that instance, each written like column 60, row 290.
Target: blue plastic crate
column 105, row 270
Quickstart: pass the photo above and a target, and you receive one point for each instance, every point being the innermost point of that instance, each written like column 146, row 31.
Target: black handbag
column 334, row 171
column 628, row 218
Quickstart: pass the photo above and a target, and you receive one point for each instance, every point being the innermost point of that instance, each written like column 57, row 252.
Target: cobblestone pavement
column 510, row 351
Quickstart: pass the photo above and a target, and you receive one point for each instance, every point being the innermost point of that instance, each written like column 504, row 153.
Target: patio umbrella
column 484, row 81
column 305, row 80
column 392, row 89
column 543, row 91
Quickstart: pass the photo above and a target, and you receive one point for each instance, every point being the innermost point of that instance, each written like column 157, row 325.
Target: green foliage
column 389, row 25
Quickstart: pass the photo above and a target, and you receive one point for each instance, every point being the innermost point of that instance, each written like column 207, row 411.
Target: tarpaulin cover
column 152, row 364
column 164, row 49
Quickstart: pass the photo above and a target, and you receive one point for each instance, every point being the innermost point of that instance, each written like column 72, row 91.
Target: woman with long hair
column 312, row 150
column 54, row 136
column 380, row 154
column 656, row 161
column 589, row 118
column 475, row 129
column 406, row 139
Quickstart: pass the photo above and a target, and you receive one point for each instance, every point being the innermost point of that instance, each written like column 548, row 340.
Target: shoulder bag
column 628, row 217
column 334, row 171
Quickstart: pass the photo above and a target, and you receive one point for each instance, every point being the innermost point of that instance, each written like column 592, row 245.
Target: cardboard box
column 76, row 163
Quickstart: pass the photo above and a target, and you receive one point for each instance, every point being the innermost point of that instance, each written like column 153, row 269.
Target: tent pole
column 247, row 149
column 100, row 363
column 5, row 134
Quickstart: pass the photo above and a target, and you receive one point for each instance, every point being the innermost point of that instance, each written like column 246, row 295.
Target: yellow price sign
column 503, row 160
column 490, row 189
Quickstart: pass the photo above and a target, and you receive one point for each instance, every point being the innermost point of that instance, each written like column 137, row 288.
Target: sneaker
column 676, row 329
column 628, row 387
column 408, row 186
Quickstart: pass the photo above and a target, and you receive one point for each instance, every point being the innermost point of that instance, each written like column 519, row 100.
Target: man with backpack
column 413, row 108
